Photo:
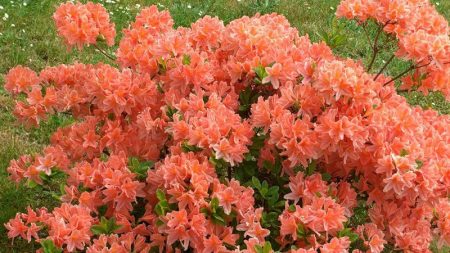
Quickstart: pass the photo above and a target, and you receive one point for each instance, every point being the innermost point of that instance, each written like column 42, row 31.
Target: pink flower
column 273, row 75
column 81, row 24
column 336, row 245
column 20, row 79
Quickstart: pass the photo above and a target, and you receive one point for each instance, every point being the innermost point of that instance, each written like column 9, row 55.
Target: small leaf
column 159, row 87
column 218, row 219
column 140, row 168
column 326, row 177
column 419, row 164
column 105, row 226
column 214, row 204
column 160, row 195
column 186, row 59
column 301, row 233
column 265, row 185
column 258, row 249
column 159, row 223
column 112, row 225
column 159, row 210
column 49, row 247
column 261, row 72
column 162, row 66
column 170, row 112
column 189, row 148
column 403, row 152
column 256, row 183
column 31, row 184
column 267, row 247
column 311, row 168
column 98, row 230
column 352, row 236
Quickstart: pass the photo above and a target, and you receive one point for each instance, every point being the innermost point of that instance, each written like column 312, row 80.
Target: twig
column 367, row 35
column 384, row 66
column 375, row 47
column 409, row 69
column 412, row 67
column 104, row 53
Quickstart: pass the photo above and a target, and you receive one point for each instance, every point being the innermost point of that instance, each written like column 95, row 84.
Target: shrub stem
column 412, row 67
column 375, row 47
column 104, row 53
column 384, row 67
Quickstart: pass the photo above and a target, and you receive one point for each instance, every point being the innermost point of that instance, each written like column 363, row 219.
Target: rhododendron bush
column 243, row 137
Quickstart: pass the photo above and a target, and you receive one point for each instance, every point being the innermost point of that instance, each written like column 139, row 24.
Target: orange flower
column 20, row 79
column 274, row 74
column 81, row 24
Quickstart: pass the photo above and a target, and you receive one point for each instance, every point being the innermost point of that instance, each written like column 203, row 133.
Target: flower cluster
column 201, row 209
column 82, row 24
column 68, row 225
column 323, row 211
column 243, row 137
column 213, row 127
column 422, row 33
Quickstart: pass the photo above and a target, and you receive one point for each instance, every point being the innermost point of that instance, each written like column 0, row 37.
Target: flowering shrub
column 243, row 137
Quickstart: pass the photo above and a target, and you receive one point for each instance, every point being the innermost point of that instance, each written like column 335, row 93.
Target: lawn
column 28, row 37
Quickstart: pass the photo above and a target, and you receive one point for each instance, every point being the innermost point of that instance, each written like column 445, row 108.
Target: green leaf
column 259, row 249
column 264, row 189
column 311, row 168
column 162, row 206
column 218, row 219
column 403, row 152
column 274, row 189
column 301, row 233
column 98, row 230
column 159, row 87
column 419, row 164
column 260, row 71
column 268, row 165
column 352, row 236
column 266, row 248
column 247, row 97
column 49, row 247
column 159, row 223
column 272, row 195
column 112, row 226
column 160, row 195
column 140, row 168
column 360, row 214
column 326, row 177
column 269, row 219
column 31, row 184
column 214, row 204
column 105, row 226
column 186, row 59
column 162, row 66
column 190, row 148
column 159, row 210
column 281, row 204
column 170, row 112
column 256, row 183
column 218, row 163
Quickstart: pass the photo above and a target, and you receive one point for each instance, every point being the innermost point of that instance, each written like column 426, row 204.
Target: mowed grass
column 28, row 37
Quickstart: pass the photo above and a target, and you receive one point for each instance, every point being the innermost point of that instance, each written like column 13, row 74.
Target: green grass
column 28, row 37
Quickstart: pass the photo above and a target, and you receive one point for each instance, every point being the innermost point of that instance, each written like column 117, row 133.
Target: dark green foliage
column 105, row 226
